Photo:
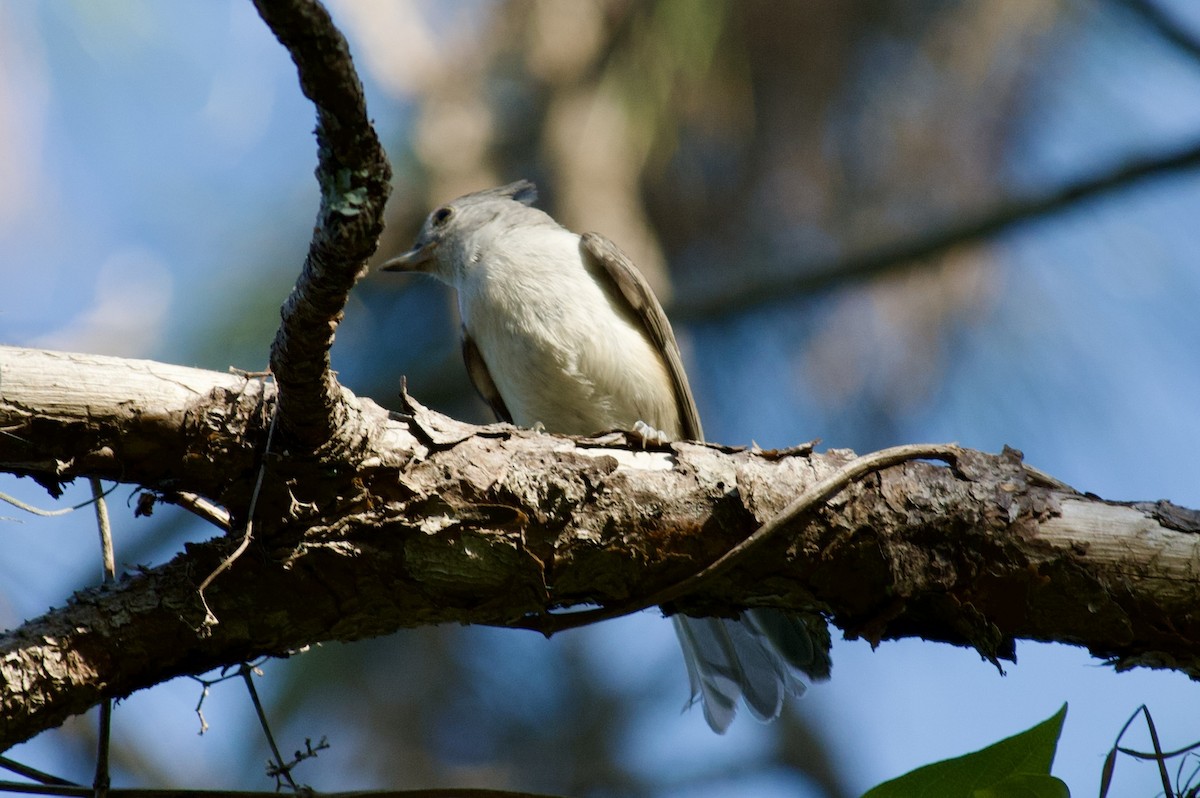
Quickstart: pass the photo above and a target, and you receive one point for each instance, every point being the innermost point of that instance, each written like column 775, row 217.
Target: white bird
column 561, row 330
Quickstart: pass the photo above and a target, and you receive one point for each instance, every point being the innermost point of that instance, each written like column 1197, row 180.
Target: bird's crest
column 523, row 191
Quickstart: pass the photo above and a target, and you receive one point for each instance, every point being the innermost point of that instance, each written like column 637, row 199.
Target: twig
column 309, row 752
column 198, row 505
column 84, row 792
column 39, row 776
column 100, row 783
column 29, row 508
column 102, row 523
column 210, row 619
column 1158, row 756
column 200, row 705
column 72, row 791
column 207, row 683
column 280, row 769
column 1165, row 26
column 803, row 278
column 815, row 494
column 53, row 785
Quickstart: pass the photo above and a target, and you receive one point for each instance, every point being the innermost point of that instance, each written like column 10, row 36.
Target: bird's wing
column 628, row 284
column 482, row 378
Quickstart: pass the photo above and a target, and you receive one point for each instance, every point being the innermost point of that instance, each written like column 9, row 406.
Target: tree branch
column 801, row 278
column 434, row 521
column 1164, row 25
column 355, row 180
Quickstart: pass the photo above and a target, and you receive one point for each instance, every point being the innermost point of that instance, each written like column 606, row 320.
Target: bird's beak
column 417, row 259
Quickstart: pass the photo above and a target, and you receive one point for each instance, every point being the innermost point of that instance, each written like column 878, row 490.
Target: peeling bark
column 355, row 180
column 427, row 520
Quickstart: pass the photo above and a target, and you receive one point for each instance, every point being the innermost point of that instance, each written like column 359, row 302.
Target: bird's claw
column 648, row 435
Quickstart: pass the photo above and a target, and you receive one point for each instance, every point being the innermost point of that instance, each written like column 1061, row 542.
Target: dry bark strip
column 417, row 519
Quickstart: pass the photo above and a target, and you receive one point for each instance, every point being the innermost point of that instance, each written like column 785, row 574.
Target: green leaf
column 1016, row 767
column 1026, row 785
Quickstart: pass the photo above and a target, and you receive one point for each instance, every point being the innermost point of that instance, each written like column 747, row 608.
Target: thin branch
column 101, row 781
column 85, row 792
column 66, row 790
column 278, row 769
column 803, row 278
column 107, row 558
column 310, row 752
column 39, row 776
column 210, row 619
column 809, row 499
column 201, row 507
column 29, row 508
column 205, row 684
column 1158, row 756
column 355, row 180
column 1166, row 26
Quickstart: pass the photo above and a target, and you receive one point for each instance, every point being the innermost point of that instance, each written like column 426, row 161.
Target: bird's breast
column 560, row 350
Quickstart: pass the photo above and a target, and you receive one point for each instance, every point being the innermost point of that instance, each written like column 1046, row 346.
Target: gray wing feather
column 627, row 283
column 712, row 670
column 801, row 640
column 728, row 658
column 758, row 656
column 764, row 677
column 477, row 370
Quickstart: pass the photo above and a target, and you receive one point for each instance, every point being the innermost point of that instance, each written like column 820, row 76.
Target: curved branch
column 801, row 278
column 1165, row 26
column 435, row 521
column 355, row 180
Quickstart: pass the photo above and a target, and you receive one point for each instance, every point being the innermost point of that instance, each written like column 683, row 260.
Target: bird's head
column 452, row 231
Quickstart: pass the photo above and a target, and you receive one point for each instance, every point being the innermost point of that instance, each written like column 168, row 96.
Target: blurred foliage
column 740, row 142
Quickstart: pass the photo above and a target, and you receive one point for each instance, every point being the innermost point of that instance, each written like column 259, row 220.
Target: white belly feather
column 558, row 348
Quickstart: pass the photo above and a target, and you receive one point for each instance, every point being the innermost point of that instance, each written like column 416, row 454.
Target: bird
column 561, row 332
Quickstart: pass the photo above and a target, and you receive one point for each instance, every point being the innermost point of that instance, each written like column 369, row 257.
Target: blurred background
column 768, row 165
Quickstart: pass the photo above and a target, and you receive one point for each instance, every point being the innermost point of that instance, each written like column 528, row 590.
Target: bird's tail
column 758, row 656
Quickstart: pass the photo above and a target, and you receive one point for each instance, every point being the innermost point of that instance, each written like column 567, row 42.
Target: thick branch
column 355, row 180
column 66, row 415
column 434, row 521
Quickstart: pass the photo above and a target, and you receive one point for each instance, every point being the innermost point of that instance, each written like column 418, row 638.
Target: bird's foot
column 648, row 435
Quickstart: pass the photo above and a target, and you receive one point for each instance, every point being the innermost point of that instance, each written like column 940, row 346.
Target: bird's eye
column 441, row 215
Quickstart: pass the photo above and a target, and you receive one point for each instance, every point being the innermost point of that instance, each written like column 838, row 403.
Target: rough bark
column 355, row 179
column 426, row 520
